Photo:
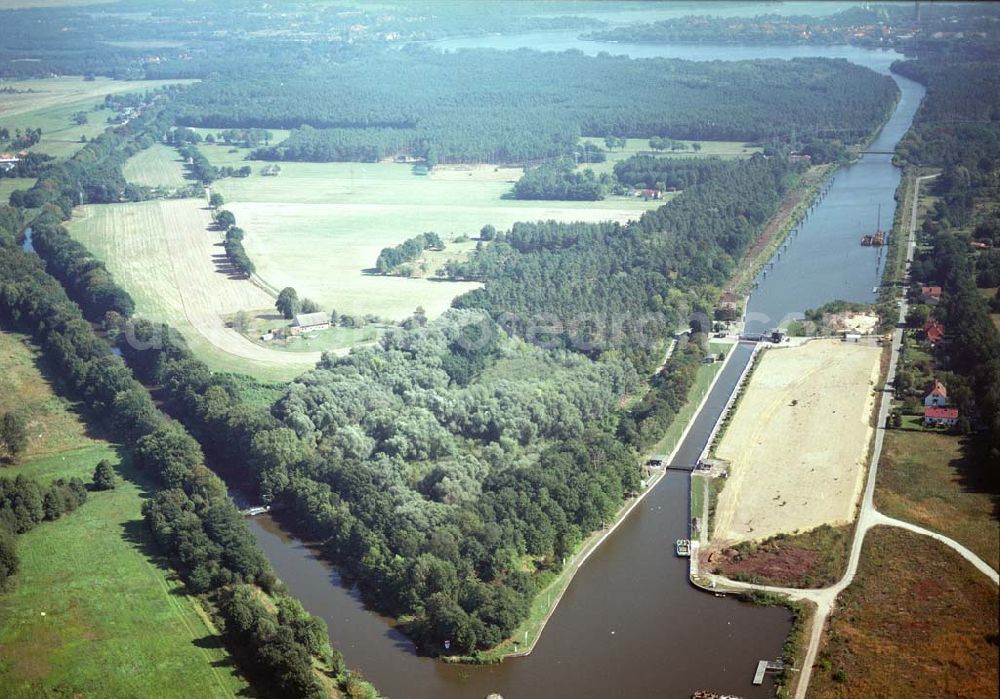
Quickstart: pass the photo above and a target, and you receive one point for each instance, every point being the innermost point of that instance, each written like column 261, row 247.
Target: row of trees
column 191, row 516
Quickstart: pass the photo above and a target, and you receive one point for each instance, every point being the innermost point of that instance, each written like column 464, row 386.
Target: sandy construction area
column 798, row 441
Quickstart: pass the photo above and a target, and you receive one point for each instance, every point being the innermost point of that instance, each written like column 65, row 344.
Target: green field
column 156, row 166
column 92, row 613
column 318, row 226
column 9, row 184
column 164, row 254
column 52, row 102
column 640, row 146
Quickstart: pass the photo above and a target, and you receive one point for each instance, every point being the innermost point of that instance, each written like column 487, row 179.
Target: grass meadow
column 156, row 166
column 925, row 478
column 318, row 226
column 93, row 613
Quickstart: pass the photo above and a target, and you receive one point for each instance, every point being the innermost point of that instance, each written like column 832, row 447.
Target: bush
column 104, row 476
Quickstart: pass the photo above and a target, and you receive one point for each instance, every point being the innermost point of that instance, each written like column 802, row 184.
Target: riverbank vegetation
column 914, row 605
column 191, row 516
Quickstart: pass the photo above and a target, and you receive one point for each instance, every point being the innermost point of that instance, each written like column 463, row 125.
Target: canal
column 630, row 624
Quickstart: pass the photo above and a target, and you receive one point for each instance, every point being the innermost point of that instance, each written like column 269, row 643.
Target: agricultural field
column 50, row 103
column 925, row 478
column 9, row 184
column 640, row 146
column 798, row 441
column 52, row 425
column 166, row 255
column 156, row 166
column 917, row 621
column 92, row 613
column 319, row 226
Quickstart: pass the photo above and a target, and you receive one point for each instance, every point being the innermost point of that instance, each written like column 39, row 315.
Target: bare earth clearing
column 164, row 254
column 798, row 441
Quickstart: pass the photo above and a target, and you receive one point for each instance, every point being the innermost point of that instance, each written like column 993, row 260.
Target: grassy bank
column 926, row 478
column 917, row 621
column 94, row 613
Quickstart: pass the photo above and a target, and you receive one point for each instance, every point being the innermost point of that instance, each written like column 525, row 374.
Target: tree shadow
column 975, row 474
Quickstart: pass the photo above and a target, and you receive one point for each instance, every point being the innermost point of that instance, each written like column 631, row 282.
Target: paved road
column 868, row 516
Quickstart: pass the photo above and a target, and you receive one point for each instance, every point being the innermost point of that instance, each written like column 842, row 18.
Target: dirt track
column 798, row 441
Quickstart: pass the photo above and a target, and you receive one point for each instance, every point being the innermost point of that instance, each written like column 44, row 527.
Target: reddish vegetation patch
column 813, row 559
column 918, row 621
column 772, row 563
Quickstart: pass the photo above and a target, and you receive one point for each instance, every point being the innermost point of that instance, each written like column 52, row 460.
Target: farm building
column 306, row 322
column 936, row 395
column 941, row 417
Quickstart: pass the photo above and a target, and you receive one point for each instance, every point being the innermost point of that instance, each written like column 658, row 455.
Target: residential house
column 936, row 395
column 933, row 331
column 940, row 417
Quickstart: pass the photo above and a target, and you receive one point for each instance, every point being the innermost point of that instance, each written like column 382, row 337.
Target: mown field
column 925, row 478
column 640, row 146
column 319, row 226
column 93, row 614
column 166, row 256
column 918, row 621
column 156, row 166
column 50, row 103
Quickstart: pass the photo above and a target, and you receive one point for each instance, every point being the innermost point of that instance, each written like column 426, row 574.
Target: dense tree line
column 191, row 516
column 646, row 423
column 479, row 106
column 667, row 173
column 409, row 250
column 605, row 285
column 81, row 273
column 560, row 180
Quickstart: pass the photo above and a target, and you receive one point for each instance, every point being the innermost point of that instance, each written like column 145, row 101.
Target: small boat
column 683, row 548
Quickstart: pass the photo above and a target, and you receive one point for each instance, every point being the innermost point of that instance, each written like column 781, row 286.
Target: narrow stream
column 630, row 624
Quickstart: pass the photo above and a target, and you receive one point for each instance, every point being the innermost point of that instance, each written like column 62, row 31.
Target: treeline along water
column 630, row 624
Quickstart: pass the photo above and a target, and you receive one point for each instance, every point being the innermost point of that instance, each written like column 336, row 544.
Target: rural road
column 868, row 516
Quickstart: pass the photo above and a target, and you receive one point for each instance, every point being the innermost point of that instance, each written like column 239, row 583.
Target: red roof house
column 947, row 417
column 934, row 332
column 936, row 395
column 930, row 294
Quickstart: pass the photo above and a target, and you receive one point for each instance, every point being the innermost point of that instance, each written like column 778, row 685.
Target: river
column 630, row 624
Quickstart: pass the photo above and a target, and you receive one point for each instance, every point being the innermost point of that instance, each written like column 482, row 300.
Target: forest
column 476, row 106
column 667, row 173
column 607, row 286
column 560, row 181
